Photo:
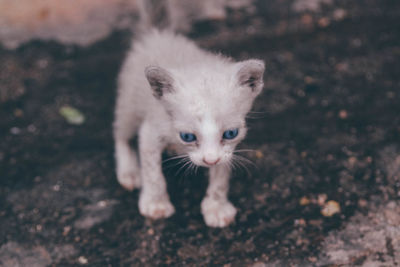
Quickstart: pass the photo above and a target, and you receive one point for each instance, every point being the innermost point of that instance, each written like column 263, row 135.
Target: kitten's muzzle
column 211, row 162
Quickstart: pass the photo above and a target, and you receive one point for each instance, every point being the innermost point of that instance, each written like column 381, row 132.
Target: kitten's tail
column 154, row 14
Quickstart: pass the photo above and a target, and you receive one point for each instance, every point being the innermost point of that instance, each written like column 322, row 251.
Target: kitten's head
column 208, row 106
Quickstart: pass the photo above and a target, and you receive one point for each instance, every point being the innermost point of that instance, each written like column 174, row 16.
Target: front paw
column 217, row 213
column 129, row 180
column 155, row 208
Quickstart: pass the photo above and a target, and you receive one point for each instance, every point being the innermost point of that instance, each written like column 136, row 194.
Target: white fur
column 206, row 94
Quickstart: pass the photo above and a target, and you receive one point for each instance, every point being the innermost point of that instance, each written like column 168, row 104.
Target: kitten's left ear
column 250, row 74
column 160, row 80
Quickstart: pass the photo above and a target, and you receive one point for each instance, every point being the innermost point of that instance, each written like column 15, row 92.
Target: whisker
column 257, row 112
column 242, row 165
column 175, row 157
column 243, row 150
column 255, row 117
column 246, row 160
column 186, row 172
column 170, row 165
column 196, row 169
column 234, row 164
column 183, row 166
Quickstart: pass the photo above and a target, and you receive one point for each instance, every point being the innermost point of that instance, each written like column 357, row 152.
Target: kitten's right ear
column 160, row 80
column 250, row 74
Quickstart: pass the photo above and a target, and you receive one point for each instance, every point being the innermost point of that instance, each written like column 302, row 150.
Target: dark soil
column 326, row 127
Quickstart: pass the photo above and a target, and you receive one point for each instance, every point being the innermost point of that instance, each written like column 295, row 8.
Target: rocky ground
column 323, row 190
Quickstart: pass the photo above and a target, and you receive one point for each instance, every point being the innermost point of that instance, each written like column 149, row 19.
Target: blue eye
column 230, row 134
column 188, row 137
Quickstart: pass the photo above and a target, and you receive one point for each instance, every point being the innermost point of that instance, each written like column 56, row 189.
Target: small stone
column 299, row 242
column 66, row 230
column 15, row 130
column 259, row 154
column 102, row 203
column 316, row 223
column 356, row 42
column 31, row 128
column 300, row 222
column 312, row 259
column 392, row 217
column 322, row 199
column 343, row 114
column 82, row 260
column 18, row 113
column 150, row 231
column 330, row 208
column 352, row 161
column 306, row 20
column 339, row 14
column 362, row 203
column 308, row 80
column 56, row 188
column 304, row 201
column 323, row 22
column 390, row 95
column 42, row 63
column 342, row 66
column 301, row 93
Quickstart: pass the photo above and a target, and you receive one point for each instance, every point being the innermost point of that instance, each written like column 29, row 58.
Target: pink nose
column 210, row 162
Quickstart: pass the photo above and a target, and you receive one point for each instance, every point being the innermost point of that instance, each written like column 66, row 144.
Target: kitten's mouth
column 207, row 163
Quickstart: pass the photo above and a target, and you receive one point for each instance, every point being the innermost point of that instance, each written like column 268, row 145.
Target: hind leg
column 128, row 172
column 126, row 125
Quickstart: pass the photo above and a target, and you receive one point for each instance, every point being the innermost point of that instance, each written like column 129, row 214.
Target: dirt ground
column 325, row 134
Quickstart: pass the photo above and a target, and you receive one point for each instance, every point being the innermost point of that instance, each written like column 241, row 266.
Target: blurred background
column 323, row 188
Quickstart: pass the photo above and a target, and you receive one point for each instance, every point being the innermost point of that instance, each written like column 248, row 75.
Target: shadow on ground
column 326, row 128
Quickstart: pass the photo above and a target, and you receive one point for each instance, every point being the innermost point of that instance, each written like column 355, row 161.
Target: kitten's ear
column 160, row 80
column 250, row 74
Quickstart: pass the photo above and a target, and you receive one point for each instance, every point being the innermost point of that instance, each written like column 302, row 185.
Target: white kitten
column 172, row 92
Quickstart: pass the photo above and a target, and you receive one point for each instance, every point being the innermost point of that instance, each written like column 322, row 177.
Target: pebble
column 300, row 222
column 330, row 208
column 83, row 260
column 150, row 231
column 15, row 130
column 306, row 20
column 343, row 114
column 352, row 161
column 362, row 203
column 308, row 80
column 322, row 199
column 31, row 128
column 56, row 188
column 312, row 259
column 339, row 14
column 18, row 113
column 66, row 230
column 259, row 154
column 323, row 22
column 102, row 203
column 304, row 201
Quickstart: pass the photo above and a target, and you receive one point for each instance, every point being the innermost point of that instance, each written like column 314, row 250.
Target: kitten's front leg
column 154, row 200
column 215, row 207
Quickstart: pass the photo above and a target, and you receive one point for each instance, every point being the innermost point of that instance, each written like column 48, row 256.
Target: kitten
column 172, row 92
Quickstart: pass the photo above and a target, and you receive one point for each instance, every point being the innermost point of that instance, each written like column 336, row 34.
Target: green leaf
column 72, row 115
